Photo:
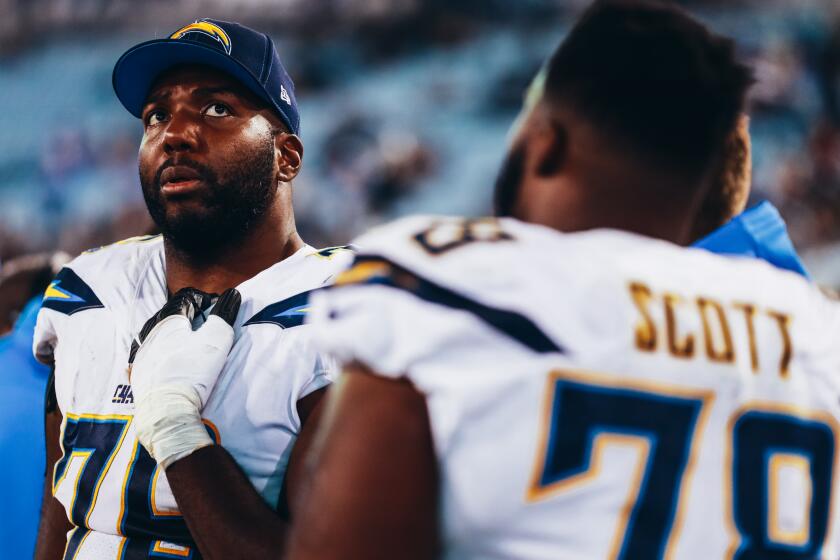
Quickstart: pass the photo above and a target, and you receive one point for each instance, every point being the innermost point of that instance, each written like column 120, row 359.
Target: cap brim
column 137, row 69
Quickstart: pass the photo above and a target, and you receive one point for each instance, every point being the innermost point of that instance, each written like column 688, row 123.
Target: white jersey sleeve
column 44, row 341
column 401, row 324
column 75, row 300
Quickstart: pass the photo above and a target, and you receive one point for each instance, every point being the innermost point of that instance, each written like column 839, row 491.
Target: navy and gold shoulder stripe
column 329, row 252
column 378, row 270
column 129, row 241
column 288, row 313
column 70, row 294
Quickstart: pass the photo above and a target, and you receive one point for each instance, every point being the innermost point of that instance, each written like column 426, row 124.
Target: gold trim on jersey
column 599, row 444
column 776, row 533
column 127, row 241
column 164, row 547
column 85, row 456
column 67, row 544
column 81, row 542
column 137, row 239
column 790, row 410
column 362, row 272
column 114, row 452
column 535, row 492
column 153, row 500
column 87, row 453
column 63, row 453
column 126, row 477
column 217, row 437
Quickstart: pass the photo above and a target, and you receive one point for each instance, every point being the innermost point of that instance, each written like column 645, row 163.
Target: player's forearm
column 226, row 516
column 53, row 528
column 373, row 491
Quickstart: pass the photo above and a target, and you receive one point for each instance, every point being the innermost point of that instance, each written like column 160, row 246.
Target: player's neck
column 580, row 209
column 275, row 238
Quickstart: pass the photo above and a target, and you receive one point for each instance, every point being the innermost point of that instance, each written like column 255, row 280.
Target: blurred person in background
column 219, row 153
column 23, row 384
column 67, row 158
column 437, row 69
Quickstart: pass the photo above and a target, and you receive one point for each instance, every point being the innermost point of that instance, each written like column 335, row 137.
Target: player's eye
column 217, row 110
column 155, row 117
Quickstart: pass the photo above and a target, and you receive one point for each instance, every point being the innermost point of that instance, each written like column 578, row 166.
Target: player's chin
column 186, row 211
column 192, row 230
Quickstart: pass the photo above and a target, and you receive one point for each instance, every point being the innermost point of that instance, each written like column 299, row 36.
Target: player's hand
column 173, row 370
column 170, row 352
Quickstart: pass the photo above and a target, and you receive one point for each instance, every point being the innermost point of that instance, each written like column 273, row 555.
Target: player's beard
column 509, row 183
column 229, row 209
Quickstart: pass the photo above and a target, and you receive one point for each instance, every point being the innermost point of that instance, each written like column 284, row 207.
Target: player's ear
column 288, row 154
column 549, row 146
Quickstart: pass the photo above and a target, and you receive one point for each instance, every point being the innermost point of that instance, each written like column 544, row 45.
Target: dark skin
column 207, row 117
column 217, row 500
column 577, row 178
column 204, row 116
column 374, row 482
column 374, row 493
column 53, row 527
column 728, row 196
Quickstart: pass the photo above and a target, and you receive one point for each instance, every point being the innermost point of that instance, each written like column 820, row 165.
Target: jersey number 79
column 665, row 429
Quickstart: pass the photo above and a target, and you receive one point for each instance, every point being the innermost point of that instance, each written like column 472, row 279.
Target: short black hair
column 647, row 73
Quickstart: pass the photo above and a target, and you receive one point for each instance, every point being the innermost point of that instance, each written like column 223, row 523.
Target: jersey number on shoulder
column 661, row 428
column 90, row 443
column 446, row 235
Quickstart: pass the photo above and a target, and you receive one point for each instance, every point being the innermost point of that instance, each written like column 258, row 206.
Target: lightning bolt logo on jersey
column 116, row 497
column 601, row 395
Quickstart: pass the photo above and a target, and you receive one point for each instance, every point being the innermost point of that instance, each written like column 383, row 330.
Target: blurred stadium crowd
column 400, row 101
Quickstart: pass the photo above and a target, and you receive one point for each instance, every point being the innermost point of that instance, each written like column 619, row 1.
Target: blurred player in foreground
column 219, row 152
column 600, row 393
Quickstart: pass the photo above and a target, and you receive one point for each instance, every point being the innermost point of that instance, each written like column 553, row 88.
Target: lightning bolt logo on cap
column 207, row 28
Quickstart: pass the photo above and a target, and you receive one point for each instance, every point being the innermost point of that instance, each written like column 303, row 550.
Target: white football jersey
column 114, row 493
column 603, row 395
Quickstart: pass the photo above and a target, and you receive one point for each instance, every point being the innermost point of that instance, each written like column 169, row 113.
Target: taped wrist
column 168, row 423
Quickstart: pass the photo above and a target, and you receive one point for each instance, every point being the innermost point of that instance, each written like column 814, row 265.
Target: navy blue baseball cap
column 247, row 55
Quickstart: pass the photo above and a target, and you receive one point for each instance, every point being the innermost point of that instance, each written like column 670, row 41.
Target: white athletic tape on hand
column 172, row 377
column 169, row 425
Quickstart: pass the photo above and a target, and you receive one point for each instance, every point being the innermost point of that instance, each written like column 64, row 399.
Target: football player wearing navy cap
column 220, row 150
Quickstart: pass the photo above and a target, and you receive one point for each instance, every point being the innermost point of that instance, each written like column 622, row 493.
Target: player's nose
column 181, row 135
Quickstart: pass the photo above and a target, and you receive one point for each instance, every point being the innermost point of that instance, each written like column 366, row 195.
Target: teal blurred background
column 405, row 108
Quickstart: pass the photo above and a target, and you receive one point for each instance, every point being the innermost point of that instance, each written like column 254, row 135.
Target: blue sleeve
column 759, row 232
